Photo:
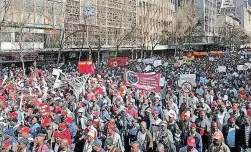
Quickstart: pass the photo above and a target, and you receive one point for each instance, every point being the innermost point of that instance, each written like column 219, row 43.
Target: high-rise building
column 208, row 15
column 105, row 21
column 153, row 17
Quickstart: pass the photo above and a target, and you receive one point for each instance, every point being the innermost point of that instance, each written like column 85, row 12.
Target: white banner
column 191, row 78
column 157, row 63
column 240, row 67
column 222, row 68
column 211, row 58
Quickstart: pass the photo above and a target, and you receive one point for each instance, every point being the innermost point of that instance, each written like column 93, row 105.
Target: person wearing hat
column 72, row 128
column 109, row 147
column 165, row 131
column 97, row 146
column 190, row 145
column 169, row 110
column 230, row 131
column 10, row 137
column 40, row 145
column 58, row 136
column 155, row 127
column 208, row 138
column 116, row 137
column 65, row 131
column 203, row 123
column 22, row 145
column 218, row 145
column 25, row 133
column 174, row 128
column 6, row 147
column 196, row 136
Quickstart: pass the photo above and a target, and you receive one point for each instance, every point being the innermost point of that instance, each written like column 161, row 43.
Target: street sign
column 187, row 87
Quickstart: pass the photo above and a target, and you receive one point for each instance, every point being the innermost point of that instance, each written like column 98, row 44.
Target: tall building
column 153, row 17
column 105, row 21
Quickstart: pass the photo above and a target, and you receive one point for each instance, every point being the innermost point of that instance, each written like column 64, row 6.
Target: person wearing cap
column 97, row 146
column 25, row 133
column 40, row 145
column 165, row 131
column 203, row 123
column 22, row 145
column 185, row 127
column 196, row 136
column 174, row 128
column 58, row 136
column 243, row 136
column 109, row 147
column 72, row 128
column 155, row 127
column 66, row 132
column 234, row 112
column 10, row 137
column 230, row 131
column 90, row 138
column 144, row 137
column 81, row 119
column 116, row 137
column 208, row 138
column 190, row 146
column 218, row 145
column 6, row 147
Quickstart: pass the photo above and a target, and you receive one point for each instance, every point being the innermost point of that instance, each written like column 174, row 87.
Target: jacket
column 241, row 138
column 148, row 142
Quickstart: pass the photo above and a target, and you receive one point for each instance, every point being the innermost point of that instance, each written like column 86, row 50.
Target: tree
column 185, row 22
column 123, row 33
column 148, row 15
column 231, row 36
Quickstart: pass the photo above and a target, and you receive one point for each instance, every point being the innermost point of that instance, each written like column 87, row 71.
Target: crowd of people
column 107, row 116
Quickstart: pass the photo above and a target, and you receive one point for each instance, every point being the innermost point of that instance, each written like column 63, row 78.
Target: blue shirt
column 33, row 129
column 231, row 137
column 73, row 131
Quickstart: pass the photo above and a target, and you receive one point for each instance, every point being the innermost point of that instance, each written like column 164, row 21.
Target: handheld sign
column 186, row 87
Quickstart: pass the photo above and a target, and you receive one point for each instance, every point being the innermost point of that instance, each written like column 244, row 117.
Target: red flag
column 85, row 67
column 89, row 67
column 82, row 67
column 118, row 62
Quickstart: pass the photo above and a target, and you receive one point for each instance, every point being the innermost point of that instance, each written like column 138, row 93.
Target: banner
column 85, row 67
column 118, row 62
column 143, row 81
column 222, row 68
column 217, row 53
column 191, row 78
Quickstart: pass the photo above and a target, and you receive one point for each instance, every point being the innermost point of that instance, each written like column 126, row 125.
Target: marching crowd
column 107, row 116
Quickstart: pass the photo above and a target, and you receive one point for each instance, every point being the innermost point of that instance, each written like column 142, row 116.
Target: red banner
column 118, row 62
column 85, row 67
column 143, row 81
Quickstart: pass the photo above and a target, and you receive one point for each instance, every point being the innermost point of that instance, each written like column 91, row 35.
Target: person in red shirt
column 65, row 132
column 132, row 111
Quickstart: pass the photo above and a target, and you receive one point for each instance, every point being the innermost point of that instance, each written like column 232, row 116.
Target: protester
column 46, row 110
